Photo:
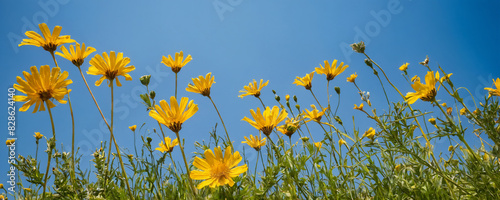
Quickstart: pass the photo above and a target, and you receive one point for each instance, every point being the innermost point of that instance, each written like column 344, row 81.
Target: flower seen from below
column 41, row 87
column 201, row 85
column 268, row 120
column 38, row 135
column 255, row 142
column 463, row 111
column 177, row 63
column 9, row 142
column 370, row 133
column 49, row 41
column 253, row 89
column 352, row 78
column 331, row 71
column 168, row 146
column 174, row 115
column 404, row 67
column 342, row 142
column 217, row 169
column 132, row 128
column 314, row 114
column 76, row 54
column 360, row 107
column 425, row 92
column 494, row 92
column 318, row 144
column 110, row 67
column 445, row 77
column 305, row 81
column 289, row 128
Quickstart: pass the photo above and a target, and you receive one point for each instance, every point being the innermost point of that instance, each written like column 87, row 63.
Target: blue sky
column 238, row 41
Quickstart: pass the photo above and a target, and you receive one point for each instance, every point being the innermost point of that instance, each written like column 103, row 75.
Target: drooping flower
column 314, row 115
column 110, row 67
column 38, row 135
column 48, row 42
column 253, row 88
column 132, row 128
column 305, row 81
column 268, row 120
column 178, row 63
column 41, row 87
column 352, row 78
column 370, row 133
column 255, row 142
column 425, row 92
column 174, row 115
column 76, row 54
column 494, row 92
column 331, row 71
column 404, row 67
column 360, row 107
column 168, row 146
column 201, row 85
column 291, row 125
column 216, row 169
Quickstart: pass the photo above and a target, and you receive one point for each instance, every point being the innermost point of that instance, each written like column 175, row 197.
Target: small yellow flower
column 1, row 186
column 331, row 71
column 168, row 146
column 255, row 142
column 9, row 142
column 463, row 111
column 352, row 78
column 289, row 128
column 38, row 135
column 425, row 92
column 2, row 197
column 305, row 81
column 494, row 92
column 404, row 67
column 41, row 87
column 253, row 88
column 398, row 167
column 110, row 67
column 217, row 170
column 445, row 77
column 132, row 128
column 415, row 78
column 342, row 142
column 201, row 85
column 76, row 54
column 444, row 104
column 287, row 97
column 173, row 115
column 314, row 115
column 360, row 107
column 449, row 110
column 432, row 121
column 27, row 189
column 48, row 42
column 318, row 144
column 178, row 63
column 268, row 120
column 370, row 133
column 450, row 148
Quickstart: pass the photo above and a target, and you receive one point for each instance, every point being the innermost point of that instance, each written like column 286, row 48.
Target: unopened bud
column 358, row 47
column 287, row 97
column 152, row 94
column 368, row 62
column 145, row 79
column 295, row 98
column 337, row 89
column 277, row 98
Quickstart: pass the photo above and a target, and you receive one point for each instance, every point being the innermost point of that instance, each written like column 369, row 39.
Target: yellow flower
column 38, row 135
column 318, row 144
column 132, row 128
column 425, row 92
column 173, row 115
column 268, row 120
column 415, row 78
column 177, row 63
column 342, row 142
column 2, row 197
column 445, row 77
column 331, row 70
column 201, row 85
column 168, row 146
column 404, row 67
column 289, row 128
column 360, row 107
column 315, row 114
column 370, row 133
column 352, row 78
column 41, row 87
column 432, row 121
column 444, row 104
column 494, row 92
column 398, row 167
column 255, row 142
column 217, row 170
column 76, row 54
column 463, row 111
column 450, row 148
column 305, row 81
column 9, row 142
column 1, row 186
column 252, row 88
column 49, row 41
column 449, row 110
column 287, row 97
column 110, row 67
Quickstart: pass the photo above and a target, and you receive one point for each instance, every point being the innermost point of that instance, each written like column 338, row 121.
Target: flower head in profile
column 463, row 111
column 38, row 136
column 425, row 92
column 48, row 42
column 110, row 67
column 404, row 67
column 217, row 169
column 132, row 128
column 318, row 144
column 352, row 78
column 255, row 142
column 76, row 54
column 342, row 142
column 174, row 115
column 360, row 107
column 267, row 120
column 331, row 71
column 291, row 125
column 370, row 133
column 494, row 92
column 41, row 87
column 177, row 63
column 314, row 114
column 446, row 77
column 415, row 78
column 168, row 146
column 253, row 89
column 305, row 81
column 9, row 142
column 201, row 85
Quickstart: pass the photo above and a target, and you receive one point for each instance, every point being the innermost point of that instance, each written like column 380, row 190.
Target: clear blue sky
column 241, row 40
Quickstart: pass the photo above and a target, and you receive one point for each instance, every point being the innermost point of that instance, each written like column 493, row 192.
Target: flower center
column 175, row 126
column 267, row 130
column 219, row 169
column 429, row 95
column 45, row 95
column 330, row 77
column 111, row 75
column 50, row 47
column 77, row 62
column 257, row 94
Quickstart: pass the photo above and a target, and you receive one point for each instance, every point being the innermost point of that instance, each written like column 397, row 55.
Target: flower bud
column 368, row 62
column 358, row 47
column 297, row 106
column 287, row 97
column 274, row 92
column 337, row 89
column 277, row 98
column 145, row 80
column 295, row 98
column 432, row 121
column 152, row 94
column 149, row 140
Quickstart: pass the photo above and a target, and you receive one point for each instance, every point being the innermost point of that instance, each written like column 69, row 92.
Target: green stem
column 181, row 146
column 225, row 129
column 175, row 85
column 50, row 153
column 264, row 106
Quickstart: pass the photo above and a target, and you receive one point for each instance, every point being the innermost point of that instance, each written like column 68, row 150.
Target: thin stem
column 225, row 129
column 181, row 146
column 72, row 139
column 175, row 85
column 91, row 94
column 316, row 99
column 54, row 58
column 111, row 127
column 264, row 106
column 50, row 153
column 255, row 171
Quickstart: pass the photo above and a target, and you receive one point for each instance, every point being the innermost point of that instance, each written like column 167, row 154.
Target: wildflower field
column 418, row 144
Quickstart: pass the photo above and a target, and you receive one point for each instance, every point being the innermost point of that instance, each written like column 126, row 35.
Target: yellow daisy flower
column 110, row 67
column 268, row 120
column 38, row 135
column 370, row 133
column 314, row 115
column 132, row 128
column 201, row 85
column 41, row 87
column 255, row 142
column 360, row 107
column 290, row 126
column 76, row 54
column 463, row 111
column 352, row 78
column 173, row 115
column 216, row 169
column 252, row 88
column 404, row 67
column 168, row 146
column 49, row 41
column 425, row 92
column 331, row 71
column 305, row 81
column 494, row 92
column 177, row 63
